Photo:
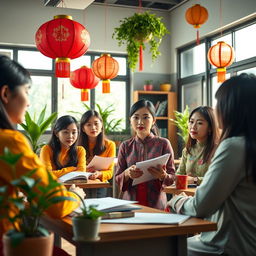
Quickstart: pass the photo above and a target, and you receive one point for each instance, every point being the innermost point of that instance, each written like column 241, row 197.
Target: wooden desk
column 135, row 239
column 172, row 190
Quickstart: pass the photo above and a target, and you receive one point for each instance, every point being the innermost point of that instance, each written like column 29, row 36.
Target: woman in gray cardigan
column 227, row 194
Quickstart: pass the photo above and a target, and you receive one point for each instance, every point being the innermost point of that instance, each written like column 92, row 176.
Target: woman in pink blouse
column 146, row 144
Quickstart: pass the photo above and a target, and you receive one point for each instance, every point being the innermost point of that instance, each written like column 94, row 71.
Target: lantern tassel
column 221, row 73
column 197, row 37
column 106, row 86
column 62, row 67
column 62, row 91
column 84, row 95
column 141, row 58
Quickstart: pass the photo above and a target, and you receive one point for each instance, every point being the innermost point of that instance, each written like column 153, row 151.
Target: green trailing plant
column 138, row 29
column 34, row 127
column 181, row 121
column 23, row 210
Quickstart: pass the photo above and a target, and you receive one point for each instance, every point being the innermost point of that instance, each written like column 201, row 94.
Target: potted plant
column 24, row 212
column 138, row 29
column 148, row 86
column 35, row 128
column 86, row 224
column 181, row 121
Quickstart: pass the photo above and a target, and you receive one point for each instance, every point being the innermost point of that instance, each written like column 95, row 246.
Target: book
column 117, row 215
column 144, row 165
column 71, row 177
column 162, row 108
column 101, row 163
column 110, row 204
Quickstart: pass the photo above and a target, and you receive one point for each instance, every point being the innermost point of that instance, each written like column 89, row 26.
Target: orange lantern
column 84, row 79
column 196, row 16
column 221, row 55
column 105, row 68
column 62, row 39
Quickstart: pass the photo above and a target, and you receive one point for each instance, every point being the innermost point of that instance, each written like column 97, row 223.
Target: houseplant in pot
column 148, row 86
column 23, row 213
column 137, row 30
column 86, row 223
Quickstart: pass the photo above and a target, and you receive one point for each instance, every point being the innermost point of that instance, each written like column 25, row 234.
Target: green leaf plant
column 35, row 128
column 138, row 29
column 23, row 210
column 181, row 121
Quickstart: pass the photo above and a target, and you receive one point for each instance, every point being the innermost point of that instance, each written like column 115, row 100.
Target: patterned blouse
column 136, row 150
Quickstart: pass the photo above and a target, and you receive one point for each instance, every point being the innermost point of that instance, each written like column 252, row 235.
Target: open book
column 144, row 165
column 73, row 176
column 101, row 163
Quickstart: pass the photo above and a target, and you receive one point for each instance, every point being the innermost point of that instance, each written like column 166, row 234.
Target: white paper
column 150, row 218
column 74, row 176
column 109, row 204
column 101, row 163
column 144, row 165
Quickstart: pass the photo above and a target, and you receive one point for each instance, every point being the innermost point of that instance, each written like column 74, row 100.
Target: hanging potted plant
column 23, row 211
column 86, row 224
column 137, row 30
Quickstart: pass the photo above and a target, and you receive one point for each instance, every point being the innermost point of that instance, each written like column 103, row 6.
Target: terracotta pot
column 39, row 246
column 85, row 229
column 148, row 87
column 165, row 87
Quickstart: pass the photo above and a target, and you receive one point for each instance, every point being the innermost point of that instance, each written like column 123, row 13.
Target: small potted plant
column 86, row 224
column 148, row 86
column 23, row 211
column 137, row 30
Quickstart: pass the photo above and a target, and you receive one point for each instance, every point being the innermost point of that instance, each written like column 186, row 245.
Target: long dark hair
column 208, row 114
column 83, row 139
column 13, row 75
column 149, row 105
column 61, row 124
column 236, row 101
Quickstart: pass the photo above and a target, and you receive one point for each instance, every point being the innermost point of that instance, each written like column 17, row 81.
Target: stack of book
column 161, row 108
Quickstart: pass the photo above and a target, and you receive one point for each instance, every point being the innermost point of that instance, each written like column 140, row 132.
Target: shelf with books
column 166, row 127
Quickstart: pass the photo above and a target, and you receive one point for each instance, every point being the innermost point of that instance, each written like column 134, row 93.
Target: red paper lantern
column 84, row 78
column 105, row 68
column 62, row 39
column 221, row 55
column 196, row 16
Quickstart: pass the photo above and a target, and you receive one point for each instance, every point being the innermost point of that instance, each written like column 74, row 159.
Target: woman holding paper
column 145, row 145
column 92, row 138
column 61, row 155
column 227, row 192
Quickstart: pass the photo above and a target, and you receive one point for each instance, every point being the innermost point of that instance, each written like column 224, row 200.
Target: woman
column 61, row 155
column 93, row 139
column 201, row 144
column 14, row 87
column 227, row 192
column 146, row 144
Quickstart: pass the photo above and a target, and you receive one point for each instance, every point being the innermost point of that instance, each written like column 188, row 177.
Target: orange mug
column 181, row 181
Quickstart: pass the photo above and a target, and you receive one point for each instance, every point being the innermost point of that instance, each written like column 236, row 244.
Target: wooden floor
column 69, row 248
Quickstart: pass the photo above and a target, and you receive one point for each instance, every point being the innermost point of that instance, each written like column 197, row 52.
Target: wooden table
column 91, row 185
column 172, row 190
column 135, row 239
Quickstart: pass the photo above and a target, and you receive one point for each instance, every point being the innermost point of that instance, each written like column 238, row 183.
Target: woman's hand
column 96, row 175
column 132, row 172
column 158, row 172
column 77, row 190
column 91, row 169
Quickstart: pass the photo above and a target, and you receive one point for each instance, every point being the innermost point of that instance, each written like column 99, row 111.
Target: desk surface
column 172, row 190
column 90, row 184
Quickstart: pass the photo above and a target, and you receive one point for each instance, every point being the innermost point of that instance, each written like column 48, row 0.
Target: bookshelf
column 166, row 127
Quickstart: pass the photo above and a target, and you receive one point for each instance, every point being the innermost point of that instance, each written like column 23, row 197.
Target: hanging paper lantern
column 84, row 79
column 62, row 39
column 221, row 55
column 196, row 16
column 105, row 68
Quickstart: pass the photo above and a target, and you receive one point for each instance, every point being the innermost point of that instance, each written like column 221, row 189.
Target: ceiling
column 161, row 5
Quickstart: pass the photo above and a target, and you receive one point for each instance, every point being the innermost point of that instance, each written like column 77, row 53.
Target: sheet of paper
column 74, row 175
column 108, row 204
column 162, row 160
column 150, row 218
column 101, row 163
